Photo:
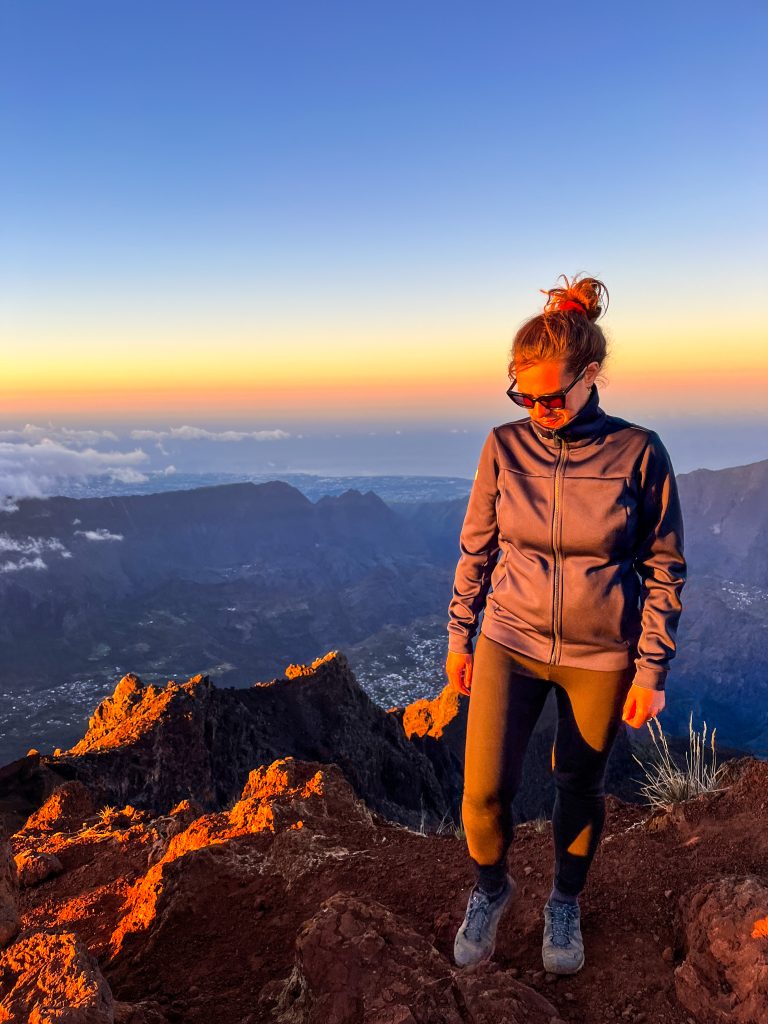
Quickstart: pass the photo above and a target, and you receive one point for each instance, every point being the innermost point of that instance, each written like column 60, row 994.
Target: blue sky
column 283, row 152
column 366, row 195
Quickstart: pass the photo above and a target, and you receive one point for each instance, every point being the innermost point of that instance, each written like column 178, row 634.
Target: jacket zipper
column 557, row 582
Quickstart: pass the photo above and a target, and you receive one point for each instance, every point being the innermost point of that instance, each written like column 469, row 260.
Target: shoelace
column 477, row 915
column 562, row 914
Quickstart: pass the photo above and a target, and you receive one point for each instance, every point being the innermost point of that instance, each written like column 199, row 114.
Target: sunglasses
column 555, row 400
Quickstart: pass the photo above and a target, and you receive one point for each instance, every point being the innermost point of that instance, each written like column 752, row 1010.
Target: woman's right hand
column 458, row 668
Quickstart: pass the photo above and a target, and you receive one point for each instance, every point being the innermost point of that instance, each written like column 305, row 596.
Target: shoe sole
column 511, row 895
column 565, row 970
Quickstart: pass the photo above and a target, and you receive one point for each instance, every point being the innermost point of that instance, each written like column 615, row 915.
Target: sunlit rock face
column 9, row 894
column 67, row 807
column 154, row 746
column 52, row 977
column 181, row 873
column 299, row 903
column 724, row 976
column 290, row 805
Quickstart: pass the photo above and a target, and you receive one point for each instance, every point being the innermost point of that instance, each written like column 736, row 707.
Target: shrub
column 668, row 783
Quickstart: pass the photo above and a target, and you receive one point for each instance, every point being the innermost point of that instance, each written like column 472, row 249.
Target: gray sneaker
column 476, row 937
column 563, row 948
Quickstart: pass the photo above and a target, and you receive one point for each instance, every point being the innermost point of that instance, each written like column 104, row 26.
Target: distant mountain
column 721, row 671
column 391, row 488
column 234, row 580
column 726, row 523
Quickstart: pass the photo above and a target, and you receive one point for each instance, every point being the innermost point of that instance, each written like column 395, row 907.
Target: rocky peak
column 153, row 746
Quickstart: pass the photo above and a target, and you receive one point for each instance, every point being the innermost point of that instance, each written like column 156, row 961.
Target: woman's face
column 550, row 375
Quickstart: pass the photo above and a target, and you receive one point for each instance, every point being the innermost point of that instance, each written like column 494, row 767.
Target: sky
column 273, row 220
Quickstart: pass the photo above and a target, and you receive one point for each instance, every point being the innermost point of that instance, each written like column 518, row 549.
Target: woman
column 583, row 509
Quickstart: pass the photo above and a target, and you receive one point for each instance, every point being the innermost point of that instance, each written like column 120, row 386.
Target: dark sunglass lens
column 556, row 403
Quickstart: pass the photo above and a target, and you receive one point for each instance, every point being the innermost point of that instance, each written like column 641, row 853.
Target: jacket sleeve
column 479, row 550
column 661, row 565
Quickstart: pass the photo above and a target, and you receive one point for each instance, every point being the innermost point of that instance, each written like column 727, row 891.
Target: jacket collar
column 585, row 426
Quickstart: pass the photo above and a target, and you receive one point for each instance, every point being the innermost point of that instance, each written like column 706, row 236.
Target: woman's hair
column 556, row 333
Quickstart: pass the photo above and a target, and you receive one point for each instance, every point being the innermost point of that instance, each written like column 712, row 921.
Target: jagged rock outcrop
column 291, row 804
column 68, row 806
column 25, row 784
column 50, row 976
column 154, row 746
column 34, row 867
column 9, row 894
column 157, row 745
column 222, row 883
column 296, row 902
column 356, row 961
column 724, row 977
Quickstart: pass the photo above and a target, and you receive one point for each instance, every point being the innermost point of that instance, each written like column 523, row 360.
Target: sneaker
column 563, row 948
column 476, row 937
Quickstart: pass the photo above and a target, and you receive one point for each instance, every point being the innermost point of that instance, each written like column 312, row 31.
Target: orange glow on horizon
column 376, row 396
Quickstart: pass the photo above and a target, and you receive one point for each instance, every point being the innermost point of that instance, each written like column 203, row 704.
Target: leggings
column 507, row 694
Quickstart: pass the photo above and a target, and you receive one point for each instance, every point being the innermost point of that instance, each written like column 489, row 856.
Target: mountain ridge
column 291, row 898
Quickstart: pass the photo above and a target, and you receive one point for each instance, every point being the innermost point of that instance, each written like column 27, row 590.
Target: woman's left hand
column 642, row 704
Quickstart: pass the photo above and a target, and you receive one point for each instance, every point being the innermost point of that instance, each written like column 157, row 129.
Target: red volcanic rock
column 66, row 809
column 356, row 961
column 288, row 792
column 24, row 785
column 9, row 893
column 287, row 796
column 153, row 746
column 34, row 867
column 213, row 925
column 49, row 977
column 132, row 709
column 186, row 811
column 432, row 717
column 167, row 826
column 139, row 1013
column 283, row 896
column 724, row 977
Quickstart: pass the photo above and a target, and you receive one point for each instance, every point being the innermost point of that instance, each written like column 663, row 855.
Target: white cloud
column 146, row 435
column 33, row 433
column 189, row 433
column 168, row 471
column 25, row 563
column 35, row 470
column 30, row 545
column 100, row 534
column 128, row 475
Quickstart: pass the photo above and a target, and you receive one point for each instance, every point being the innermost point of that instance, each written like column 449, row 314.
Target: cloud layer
column 188, row 433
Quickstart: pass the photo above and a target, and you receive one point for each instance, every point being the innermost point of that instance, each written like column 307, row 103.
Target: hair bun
column 582, row 294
